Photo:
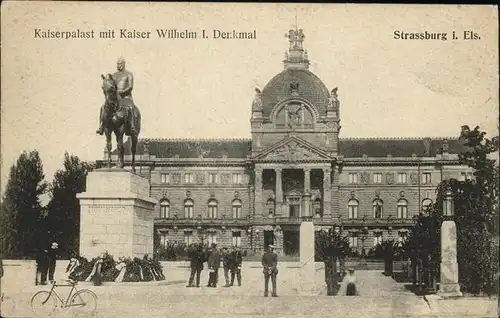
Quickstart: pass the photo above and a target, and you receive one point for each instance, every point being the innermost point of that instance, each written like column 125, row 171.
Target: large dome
column 310, row 88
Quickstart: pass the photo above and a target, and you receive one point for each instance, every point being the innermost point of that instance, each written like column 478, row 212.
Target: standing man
column 42, row 259
column 197, row 258
column 125, row 84
column 270, row 269
column 52, row 257
column 213, row 266
column 226, row 264
column 236, row 260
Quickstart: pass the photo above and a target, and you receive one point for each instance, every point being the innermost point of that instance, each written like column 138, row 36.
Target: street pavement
column 380, row 296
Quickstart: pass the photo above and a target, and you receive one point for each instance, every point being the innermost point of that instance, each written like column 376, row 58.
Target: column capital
column 306, row 169
column 278, row 170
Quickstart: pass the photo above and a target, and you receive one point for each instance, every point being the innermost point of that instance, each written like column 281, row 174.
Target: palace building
column 255, row 192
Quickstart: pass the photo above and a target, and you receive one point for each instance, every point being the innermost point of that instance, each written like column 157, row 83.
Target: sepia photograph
column 249, row 159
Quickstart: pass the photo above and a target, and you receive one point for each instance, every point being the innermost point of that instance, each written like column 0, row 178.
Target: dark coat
column 270, row 262
column 236, row 259
column 197, row 258
column 214, row 260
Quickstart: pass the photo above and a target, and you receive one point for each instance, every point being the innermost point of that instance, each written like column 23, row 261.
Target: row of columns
column 259, row 203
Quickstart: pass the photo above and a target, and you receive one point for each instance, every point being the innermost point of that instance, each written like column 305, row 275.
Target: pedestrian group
column 231, row 264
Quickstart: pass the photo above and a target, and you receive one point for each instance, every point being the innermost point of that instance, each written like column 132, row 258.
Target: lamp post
column 449, row 286
column 364, row 236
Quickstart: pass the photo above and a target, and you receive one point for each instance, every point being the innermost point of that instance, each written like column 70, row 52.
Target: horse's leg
column 133, row 148
column 119, row 146
column 108, row 145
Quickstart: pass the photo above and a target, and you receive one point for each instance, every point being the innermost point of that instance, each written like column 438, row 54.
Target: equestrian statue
column 119, row 114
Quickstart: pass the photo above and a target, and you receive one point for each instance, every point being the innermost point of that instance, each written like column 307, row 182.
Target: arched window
column 378, row 208
column 188, row 209
column 164, row 209
column 352, row 208
column 236, row 209
column 212, row 209
column 402, row 209
column 426, row 205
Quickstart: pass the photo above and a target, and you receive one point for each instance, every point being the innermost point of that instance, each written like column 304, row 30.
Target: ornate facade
column 256, row 192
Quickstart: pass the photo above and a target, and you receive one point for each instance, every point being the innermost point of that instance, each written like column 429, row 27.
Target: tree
column 20, row 213
column 476, row 213
column 64, row 206
column 476, row 216
column 329, row 246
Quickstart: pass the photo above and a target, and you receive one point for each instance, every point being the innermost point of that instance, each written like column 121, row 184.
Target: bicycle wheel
column 84, row 300
column 43, row 304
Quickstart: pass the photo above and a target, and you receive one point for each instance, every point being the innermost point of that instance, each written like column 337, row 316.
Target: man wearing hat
column 52, row 253
column 270, row 269
column 213, row 266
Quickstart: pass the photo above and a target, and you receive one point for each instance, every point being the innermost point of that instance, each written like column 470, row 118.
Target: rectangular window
column 236, row 212
column 401, row 177
column 402, row 237
column 237, row 178
column 402, row 212
column 165, row 178
column 353, row 178
column 377, row 238
column 353, row 211
column 377, row 178
column 212, row 178
column 188, row 211
column 212, row 238
column 188, row 178
column 426, row 178
column 164, row 211
column 164, row 239
column 462, row 176
column 212, row 212
column 236, row 238
column 188, row 238
column 353, row 241
column 466, row 176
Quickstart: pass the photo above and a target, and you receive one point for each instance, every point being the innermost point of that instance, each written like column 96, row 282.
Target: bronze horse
column 117, row 119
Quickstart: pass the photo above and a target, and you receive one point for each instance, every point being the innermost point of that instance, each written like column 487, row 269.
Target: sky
column 203, row 88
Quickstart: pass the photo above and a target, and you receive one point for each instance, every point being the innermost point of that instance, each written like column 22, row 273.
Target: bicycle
column 46, row 302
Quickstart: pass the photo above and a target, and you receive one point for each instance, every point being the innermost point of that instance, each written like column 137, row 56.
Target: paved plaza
column 380, row 296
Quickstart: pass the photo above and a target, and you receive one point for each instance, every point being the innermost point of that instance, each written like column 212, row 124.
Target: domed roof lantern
column 297, row 56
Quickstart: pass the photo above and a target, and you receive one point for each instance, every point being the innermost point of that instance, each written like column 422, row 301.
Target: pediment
column 292, row 149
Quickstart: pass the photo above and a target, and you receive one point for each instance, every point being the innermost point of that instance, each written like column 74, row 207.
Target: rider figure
column 125, row 83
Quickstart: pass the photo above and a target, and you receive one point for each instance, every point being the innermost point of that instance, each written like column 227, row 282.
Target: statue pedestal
column 307, row 266
column 116, row 215
column 449, row 286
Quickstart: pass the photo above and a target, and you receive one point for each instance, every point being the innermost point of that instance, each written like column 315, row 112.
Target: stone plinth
column 449, row 286
column 307, row 269
column 116, row 215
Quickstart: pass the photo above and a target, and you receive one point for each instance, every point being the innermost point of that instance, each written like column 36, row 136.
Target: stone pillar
column 307, row 180
column 327, row 192
column 307, row 192
column 279, row 192
column 449, row 286
column 307, row 269
column 259, row 204
column 278, row 240
column 116, row 215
